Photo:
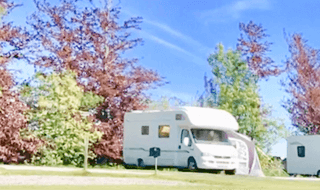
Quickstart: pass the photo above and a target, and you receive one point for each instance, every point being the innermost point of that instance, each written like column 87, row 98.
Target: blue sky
column 179, row 35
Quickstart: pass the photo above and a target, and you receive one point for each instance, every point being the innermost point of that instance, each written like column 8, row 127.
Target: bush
column 271, row 166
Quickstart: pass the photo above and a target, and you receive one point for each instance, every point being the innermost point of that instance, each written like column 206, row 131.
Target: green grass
column 109, row 187
column 231, row 184
column 209, row 181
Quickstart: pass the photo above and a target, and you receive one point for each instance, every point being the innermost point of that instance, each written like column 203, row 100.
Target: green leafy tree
column 90, row 41
column 238, row 94
column 61, row 125
column 238, row 91
column 276, row 128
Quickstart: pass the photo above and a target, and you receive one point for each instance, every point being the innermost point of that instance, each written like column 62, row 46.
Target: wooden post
column 86, row 153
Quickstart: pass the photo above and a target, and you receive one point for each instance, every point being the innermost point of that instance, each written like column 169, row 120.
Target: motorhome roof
column 198, row 117
column 210, row 117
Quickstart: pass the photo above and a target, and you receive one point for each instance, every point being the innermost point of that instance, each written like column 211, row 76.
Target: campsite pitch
column 188, row 180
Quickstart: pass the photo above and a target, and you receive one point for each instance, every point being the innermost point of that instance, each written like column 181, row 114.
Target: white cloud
column 163, row 42
column 160, row 41
column 234, row 10
column 169, row 30
column 177, row 34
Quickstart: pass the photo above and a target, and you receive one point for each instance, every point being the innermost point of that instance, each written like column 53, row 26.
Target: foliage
column 276, row 128
column 14, row 147
column 209, row 98
column 271, row 166
column 303, row 85
column 90, row 101
column 238, row 91
column 238, row 94
column 89, row 42
column 254, row 49
column 12, row 122
column 60, row 124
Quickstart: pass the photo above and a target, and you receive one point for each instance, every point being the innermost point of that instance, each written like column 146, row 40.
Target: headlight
column 205, row 154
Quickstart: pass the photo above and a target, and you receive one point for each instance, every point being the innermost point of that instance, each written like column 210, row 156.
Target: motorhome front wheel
column 230, row 172
column 192, row 165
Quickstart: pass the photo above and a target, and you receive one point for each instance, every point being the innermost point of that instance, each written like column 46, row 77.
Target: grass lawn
column 209, row 181
column 113, row 187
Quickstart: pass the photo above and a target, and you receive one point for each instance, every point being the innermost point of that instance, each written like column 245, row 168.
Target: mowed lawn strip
column 294, row 185
column 209, row 181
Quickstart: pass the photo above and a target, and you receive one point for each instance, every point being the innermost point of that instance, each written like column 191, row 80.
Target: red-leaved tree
column 13, row 148
column 254, row 48
column 303, row 85
column 90, row 41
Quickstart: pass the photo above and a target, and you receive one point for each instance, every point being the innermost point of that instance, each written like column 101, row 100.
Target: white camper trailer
column 189, row 137
column 303, row 155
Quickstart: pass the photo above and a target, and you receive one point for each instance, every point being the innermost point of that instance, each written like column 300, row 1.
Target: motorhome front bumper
column 222, row 164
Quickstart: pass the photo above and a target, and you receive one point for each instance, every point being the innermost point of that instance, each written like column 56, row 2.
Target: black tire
column 141, row 163
column 214, row 171
column 318, row 174
column 192, row 164
column 230, row 172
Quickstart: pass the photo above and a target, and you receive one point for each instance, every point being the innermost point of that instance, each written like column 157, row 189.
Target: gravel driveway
column 78, row 180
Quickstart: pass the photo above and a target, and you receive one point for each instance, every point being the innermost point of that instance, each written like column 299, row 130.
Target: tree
column 303, row 85
column 16, row 142
column 61, row 125
column 238, row 91
column 276, row 128
column 89, row 41
column 14, row 147
column 254, row 49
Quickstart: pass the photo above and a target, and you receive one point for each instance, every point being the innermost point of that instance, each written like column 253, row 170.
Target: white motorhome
column 189, row 137
column 303, row 155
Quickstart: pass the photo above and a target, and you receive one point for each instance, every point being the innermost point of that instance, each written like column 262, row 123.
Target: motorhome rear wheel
column 141, row 163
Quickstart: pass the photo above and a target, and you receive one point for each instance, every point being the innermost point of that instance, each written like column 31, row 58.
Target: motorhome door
column 185, row 149
column 165, row 141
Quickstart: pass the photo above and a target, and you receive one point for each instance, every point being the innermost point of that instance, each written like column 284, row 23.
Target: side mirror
column 186, row 141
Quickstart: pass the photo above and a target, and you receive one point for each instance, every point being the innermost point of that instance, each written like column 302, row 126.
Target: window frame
column 301, row 154
column 181, row 139
column 165, row 137
column 142, row 127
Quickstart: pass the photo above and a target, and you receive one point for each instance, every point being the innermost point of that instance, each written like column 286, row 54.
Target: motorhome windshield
column 210, row 136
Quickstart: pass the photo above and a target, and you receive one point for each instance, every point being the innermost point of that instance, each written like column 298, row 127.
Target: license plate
column 222, row 166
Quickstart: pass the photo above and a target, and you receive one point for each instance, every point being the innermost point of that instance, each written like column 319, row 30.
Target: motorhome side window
column 145, row 130
column 301, row 151
column 164, row 131
column 180, row 117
